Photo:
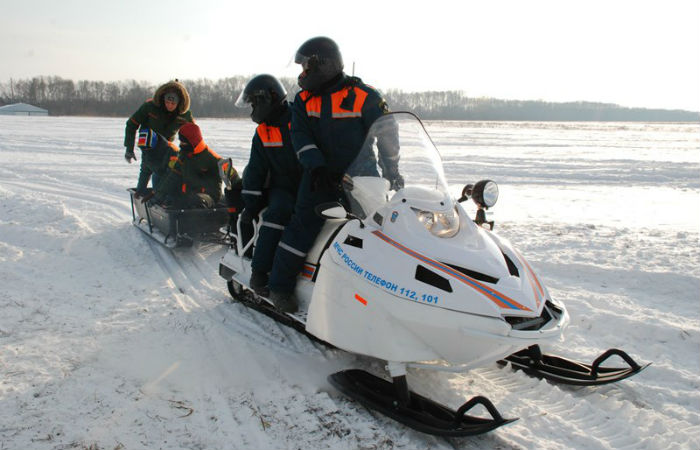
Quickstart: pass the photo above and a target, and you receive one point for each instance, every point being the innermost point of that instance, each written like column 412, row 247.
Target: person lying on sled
column 193, row 180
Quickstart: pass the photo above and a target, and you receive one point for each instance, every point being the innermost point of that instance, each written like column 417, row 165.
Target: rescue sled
column 180, row 227
column 410, row 278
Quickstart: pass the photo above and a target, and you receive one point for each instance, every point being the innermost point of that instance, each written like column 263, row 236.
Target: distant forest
column 64, row 97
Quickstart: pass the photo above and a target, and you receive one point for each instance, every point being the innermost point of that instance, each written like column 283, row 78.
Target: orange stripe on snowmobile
column 308, row 271
column 531, row 276
column 270, row 136
column 495, row 296
column 360, row 299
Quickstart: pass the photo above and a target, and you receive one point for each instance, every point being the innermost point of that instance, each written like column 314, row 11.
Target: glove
column 323, row 180
column 146, row 197
column 154, row 198
column 129, row 155
column 396, row 182
column 395, row 179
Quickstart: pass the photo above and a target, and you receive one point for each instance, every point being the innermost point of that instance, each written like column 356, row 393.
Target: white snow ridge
column 110, row 341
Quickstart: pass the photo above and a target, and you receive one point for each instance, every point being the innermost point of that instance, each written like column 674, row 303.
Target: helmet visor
column 244, row 100
column 308, row 63
column 248, row 98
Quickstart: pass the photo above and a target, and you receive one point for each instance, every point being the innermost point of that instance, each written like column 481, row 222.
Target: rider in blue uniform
column 272, row 176
column 330, row 120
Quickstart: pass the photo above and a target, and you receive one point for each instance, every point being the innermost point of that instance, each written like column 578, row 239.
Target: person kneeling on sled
column 193, row 180
column 273, row 173
column 160, row 116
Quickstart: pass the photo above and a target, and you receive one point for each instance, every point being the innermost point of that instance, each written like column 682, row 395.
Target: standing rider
column 160, row 116
column 330, row 120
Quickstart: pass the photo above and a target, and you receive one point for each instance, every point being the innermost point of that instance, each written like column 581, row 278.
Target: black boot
column 284, row 301
column 258, row 282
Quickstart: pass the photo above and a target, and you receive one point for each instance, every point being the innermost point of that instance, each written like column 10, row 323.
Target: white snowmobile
column 408, row 277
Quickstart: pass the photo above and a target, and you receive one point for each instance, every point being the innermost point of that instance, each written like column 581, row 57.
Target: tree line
column 211, row 98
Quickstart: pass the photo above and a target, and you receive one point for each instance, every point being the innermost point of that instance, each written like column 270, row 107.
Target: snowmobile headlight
column 441, row 224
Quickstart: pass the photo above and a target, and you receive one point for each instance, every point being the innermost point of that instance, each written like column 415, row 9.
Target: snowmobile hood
column 423, row 243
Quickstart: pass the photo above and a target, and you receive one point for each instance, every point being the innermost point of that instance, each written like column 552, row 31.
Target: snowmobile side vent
column 378, row 218
column 511, row 266
column 549, row 312
column 473, row 274
column 353, row 241
column 429, row 277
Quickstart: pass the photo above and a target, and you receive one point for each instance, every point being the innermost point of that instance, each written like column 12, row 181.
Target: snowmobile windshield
column 397, row 155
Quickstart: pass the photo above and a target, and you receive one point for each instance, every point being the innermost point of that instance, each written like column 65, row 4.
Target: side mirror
column 331, row 210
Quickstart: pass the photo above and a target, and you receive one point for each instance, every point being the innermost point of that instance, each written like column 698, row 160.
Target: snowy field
column 110, row 341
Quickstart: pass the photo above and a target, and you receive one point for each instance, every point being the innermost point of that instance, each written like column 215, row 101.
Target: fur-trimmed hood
column 173, row 86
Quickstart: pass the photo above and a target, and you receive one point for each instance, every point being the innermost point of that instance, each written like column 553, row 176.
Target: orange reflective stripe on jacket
column 270, row 136
column 313, row 107
column 337, row 98
column 313, row 104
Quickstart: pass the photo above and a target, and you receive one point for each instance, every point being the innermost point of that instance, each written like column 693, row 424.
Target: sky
column 633, row 53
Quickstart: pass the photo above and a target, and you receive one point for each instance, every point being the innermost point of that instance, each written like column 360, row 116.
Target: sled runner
column 410, row 278
column 179, row 227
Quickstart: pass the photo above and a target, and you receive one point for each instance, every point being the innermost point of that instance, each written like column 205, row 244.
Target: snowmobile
column 174, row 227
column 409, row 278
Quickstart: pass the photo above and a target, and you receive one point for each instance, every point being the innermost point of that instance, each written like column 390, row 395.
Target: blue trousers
column 299, row 235
column 279, row 210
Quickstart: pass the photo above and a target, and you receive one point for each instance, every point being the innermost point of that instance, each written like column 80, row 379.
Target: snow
column 111, row 341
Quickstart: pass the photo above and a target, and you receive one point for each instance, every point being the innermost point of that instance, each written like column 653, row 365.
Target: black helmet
column 265, row 94
column 321, row 59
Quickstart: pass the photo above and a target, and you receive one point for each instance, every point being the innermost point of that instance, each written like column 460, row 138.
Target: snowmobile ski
column 561, row 370
column 413, row 410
